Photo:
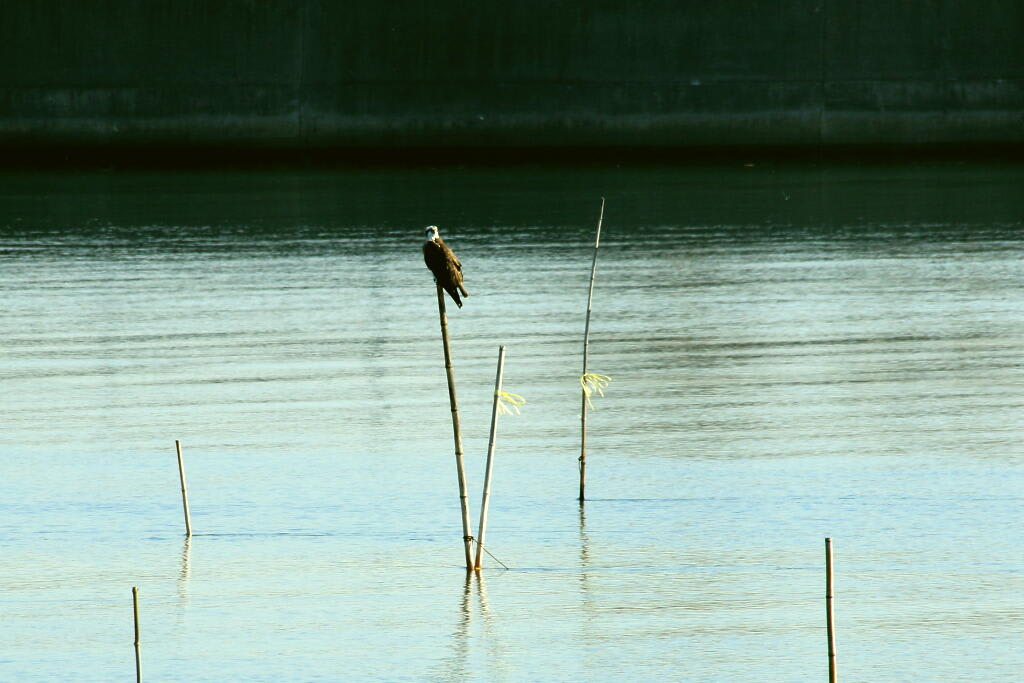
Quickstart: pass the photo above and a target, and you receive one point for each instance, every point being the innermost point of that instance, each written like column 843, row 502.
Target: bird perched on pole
column 444, row 264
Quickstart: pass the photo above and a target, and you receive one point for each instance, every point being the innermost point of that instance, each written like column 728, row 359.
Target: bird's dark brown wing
column 446, row 268
column 454, row 267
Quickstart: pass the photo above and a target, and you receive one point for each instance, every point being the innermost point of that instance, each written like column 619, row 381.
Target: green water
column 796, row 352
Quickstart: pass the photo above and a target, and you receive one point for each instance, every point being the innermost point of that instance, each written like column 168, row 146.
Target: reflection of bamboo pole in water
column 496, row 655
column 462, row 631
column 186, row 568
column 584, row 540
column 465, row 607
column 456, row 664
column 485, row 607
column 584, row 554
column 586, row 598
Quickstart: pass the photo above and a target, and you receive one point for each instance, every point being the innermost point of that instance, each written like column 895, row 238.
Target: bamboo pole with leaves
column 505, row 403
column 585, row 397
column 467, row 538
column 486, row 497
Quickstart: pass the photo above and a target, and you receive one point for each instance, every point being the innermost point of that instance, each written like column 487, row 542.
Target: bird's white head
column 432, row 233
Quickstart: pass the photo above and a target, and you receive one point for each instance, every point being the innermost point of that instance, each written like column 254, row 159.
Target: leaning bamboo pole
column 184, row 490
column 467, row 538
column 586, row 353
column 486, row 498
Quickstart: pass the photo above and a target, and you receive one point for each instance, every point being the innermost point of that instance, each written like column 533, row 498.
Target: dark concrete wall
column 313, row 73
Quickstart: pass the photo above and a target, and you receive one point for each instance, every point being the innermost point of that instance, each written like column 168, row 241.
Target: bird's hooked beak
column 432, row 233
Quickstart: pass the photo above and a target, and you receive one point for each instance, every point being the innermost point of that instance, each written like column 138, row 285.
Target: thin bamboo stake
column 467, row 538
column 830, row 616
column 490, row 458
column 184, row 490
column 138, row 654
column 586, row 352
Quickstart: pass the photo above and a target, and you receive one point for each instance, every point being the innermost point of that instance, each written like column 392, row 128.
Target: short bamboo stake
column 467, row 538
column 184, row 489
column 586, row 351
column 490, row 459
column 830, row 616
column 138, row 654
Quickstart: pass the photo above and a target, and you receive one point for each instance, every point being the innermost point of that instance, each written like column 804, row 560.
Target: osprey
column 444, row 264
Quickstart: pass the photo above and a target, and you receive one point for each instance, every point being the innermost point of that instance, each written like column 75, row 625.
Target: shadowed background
column 275, row 74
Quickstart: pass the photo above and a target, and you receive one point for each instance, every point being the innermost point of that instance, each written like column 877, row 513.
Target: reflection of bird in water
column 444, row 264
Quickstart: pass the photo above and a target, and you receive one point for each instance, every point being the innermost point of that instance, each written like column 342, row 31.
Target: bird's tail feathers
column 454, row 294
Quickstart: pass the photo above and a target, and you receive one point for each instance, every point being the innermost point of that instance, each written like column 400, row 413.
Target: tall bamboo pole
column 830, row 615
column 184, row 489
column 467, row 538
column 586, row 352
column 490, row 459
column 138, row 655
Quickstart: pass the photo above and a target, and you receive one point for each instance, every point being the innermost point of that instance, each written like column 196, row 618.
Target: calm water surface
column 796, row 352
